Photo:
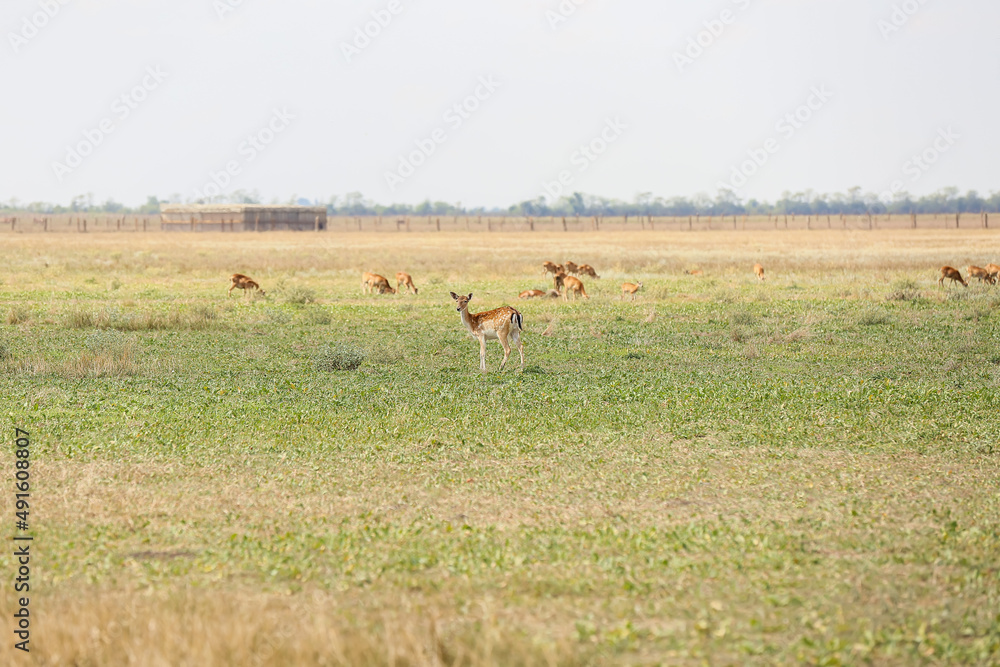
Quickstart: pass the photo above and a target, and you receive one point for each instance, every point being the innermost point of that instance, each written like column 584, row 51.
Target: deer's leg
column 502, row 337
column 482, row 354
column 520, row 346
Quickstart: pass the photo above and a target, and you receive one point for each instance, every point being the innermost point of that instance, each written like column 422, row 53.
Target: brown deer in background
column 245, row 283
column 983, row 275
column 575, row 286
column 952, row 274
column 373, row 282
column 406, row 281
column 758, row 271
column 630, row 288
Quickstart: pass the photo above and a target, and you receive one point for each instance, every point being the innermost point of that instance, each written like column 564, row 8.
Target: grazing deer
column 953, row 274
column 575, row 286
column 696, row 272
column 406, row 280
column 571, row 267
column 758, row 271
column 244, row 283
column 630, row 288
column 373, row 282
column 531, row 294
column 549, row 267
column 500, row 323
column 994, row 272
column 981, row 274
column 587, row 270
column 558, row 280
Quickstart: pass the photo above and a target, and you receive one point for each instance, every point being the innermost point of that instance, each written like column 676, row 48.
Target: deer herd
column 505, row 324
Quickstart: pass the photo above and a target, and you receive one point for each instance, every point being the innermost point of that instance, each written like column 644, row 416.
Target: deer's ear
column 454, row 296
column 470, row 296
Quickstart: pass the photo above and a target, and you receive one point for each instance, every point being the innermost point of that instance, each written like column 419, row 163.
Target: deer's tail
column 517, row 319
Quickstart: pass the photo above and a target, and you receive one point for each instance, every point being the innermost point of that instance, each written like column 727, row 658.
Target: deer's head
column 463, row 301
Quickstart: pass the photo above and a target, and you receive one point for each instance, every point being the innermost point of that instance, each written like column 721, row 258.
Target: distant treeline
column 852, row 202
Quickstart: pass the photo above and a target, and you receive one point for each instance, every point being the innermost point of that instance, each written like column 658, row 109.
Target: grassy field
column 800, row 471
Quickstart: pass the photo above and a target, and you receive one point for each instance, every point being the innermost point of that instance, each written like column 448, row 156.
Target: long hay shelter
column 241, row 218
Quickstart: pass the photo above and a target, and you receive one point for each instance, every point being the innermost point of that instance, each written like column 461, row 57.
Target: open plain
column 800, row 470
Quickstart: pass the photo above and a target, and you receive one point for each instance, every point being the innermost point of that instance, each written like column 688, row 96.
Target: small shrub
column 79, row 319
column 17, row 315
column 318, row 315
column 742, row 318
column 5, row 352
column 106, row 353
column 904, row 290
column 204, row 313
column 385, row 355
column 874, row 317
column 339, row 357
column 299, row 295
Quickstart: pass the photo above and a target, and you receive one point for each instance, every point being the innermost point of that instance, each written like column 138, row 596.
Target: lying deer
column 696, row 272
column 952, row 274
column 630, row 288
column 531, row 294
column 238, row 280
column 406, row 281
column 501, row 323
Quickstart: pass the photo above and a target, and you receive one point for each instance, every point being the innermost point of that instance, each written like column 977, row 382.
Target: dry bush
column 17, row 314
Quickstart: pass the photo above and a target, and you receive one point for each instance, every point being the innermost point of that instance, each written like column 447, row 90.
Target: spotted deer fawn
column 501, row 323
column 406, row 281
column 952, row 274
column 575, row 286
column 373, row 282
column 631, row 288
column 983, row 275
column 238, row 280
column 758, row 271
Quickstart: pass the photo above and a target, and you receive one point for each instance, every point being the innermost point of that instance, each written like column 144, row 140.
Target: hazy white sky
column 128, row 99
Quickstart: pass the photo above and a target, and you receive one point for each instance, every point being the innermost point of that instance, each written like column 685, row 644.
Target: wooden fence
column 84, row 223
